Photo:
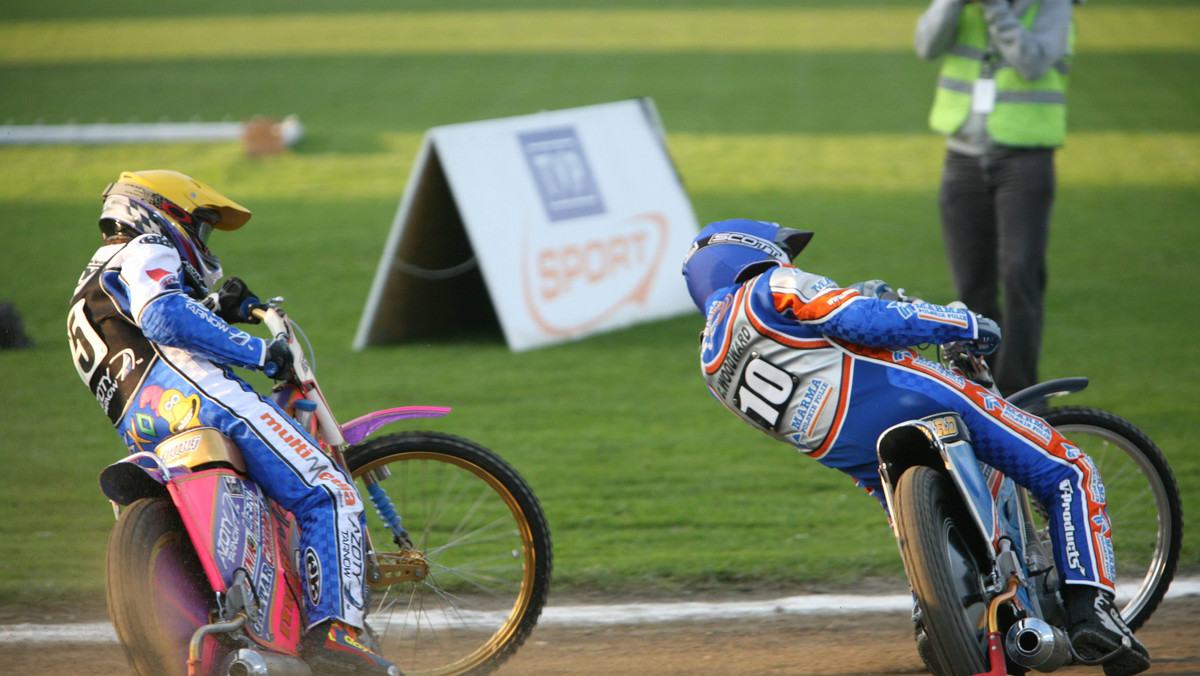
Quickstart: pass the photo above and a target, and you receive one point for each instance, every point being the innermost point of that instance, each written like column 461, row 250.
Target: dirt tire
column 940, row 560
column 1143, row 504
column 157, row 592
column 482, row 531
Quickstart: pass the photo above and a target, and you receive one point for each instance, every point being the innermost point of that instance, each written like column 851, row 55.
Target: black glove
column 989, row 337
column 233, row 302
column 278, row 362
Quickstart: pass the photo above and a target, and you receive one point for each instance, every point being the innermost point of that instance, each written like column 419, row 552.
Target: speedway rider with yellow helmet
column 154, row 343
column 828, row 369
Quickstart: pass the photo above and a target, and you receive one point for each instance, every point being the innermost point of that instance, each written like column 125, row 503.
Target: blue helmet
column 729, row 252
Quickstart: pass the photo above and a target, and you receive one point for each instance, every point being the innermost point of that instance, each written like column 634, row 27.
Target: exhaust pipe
column 1036, row 644
column 247, row 662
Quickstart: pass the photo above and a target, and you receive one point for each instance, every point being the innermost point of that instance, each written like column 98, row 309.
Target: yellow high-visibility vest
column 1025, row 113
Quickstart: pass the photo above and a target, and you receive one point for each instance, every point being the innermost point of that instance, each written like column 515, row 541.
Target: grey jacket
column 1029, row 51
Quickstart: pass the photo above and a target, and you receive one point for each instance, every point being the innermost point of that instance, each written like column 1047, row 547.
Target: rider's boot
column 1097, row 630
column 333, row 648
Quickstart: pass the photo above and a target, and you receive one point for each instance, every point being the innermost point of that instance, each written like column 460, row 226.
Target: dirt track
column 784, row 646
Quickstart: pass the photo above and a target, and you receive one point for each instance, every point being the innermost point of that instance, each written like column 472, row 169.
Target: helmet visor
column 204, row 220
column 203, row 232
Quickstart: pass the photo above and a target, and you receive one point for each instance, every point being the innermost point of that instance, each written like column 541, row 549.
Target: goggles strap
column 768, row 247
column 143, row 194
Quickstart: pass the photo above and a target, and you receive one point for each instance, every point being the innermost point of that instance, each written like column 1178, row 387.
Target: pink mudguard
column 235, row 526
column 360, row 428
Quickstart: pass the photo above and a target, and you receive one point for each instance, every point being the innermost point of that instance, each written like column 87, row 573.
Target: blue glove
column 989, row 337
column 278, row 362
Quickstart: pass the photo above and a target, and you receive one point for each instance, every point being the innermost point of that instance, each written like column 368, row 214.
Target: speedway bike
column 975, row 545
column 204, row 576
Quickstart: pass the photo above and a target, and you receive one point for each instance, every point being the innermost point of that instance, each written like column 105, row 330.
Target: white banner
column 577, row 219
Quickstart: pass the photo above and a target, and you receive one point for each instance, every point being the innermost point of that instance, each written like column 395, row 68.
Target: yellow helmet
column 178, row 207
column 172, row 190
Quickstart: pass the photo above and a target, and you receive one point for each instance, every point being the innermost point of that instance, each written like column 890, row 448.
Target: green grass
column 794, row 116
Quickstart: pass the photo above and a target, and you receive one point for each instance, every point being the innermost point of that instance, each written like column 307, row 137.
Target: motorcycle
column 204, row 576
column 975, row 544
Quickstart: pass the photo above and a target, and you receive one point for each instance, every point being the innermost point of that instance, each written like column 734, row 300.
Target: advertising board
column 571, row 222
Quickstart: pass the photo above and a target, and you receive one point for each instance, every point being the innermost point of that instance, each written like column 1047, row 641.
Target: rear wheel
column 943, row 570
column 157, row 592
column 479, row 542
column 1143, row 504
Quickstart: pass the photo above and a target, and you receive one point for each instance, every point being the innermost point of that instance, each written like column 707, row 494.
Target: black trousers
column 996, row 227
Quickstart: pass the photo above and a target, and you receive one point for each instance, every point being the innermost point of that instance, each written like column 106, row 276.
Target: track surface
column 788, row 645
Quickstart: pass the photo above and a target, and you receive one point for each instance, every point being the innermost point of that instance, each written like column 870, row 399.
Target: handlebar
column 961, row 355
column 274, row 318
column 304, row 376
column 281, row 329
column 260, row 310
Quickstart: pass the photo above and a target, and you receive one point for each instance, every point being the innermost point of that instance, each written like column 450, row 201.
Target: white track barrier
column 597, row 615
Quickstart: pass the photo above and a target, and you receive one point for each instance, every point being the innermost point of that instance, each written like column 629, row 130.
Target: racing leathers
column 158, row 363
column 828, row 370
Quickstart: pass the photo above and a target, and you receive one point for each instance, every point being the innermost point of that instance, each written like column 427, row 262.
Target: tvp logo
column 560, row 170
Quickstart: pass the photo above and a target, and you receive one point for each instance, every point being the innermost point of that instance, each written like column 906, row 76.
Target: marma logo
column 576, row 285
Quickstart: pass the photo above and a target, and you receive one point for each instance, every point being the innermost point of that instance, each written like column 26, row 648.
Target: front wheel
column 157, row 592
column 1143, row 504
column 942, row 568
column 479, row 538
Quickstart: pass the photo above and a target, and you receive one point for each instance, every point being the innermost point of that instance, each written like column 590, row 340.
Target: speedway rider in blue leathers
column 828, row 369
column 155, row 346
